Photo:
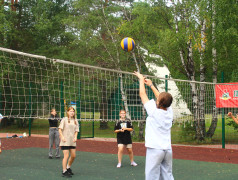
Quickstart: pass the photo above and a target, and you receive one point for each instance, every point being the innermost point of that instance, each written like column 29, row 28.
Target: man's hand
column 148, row 82
column 229, row 114
column 139, row 75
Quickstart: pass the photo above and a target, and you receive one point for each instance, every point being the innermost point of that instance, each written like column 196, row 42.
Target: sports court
column 27, row 158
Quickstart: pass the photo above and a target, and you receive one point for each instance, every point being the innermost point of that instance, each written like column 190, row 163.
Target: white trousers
column 158, row 165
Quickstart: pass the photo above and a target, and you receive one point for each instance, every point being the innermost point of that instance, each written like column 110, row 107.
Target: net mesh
column 31, row 85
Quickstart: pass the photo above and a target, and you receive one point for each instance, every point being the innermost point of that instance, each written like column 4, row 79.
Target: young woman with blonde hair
column 68, row 130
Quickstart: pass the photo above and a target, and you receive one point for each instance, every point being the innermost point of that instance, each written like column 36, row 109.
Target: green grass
column 41, row 126
column 231, row 135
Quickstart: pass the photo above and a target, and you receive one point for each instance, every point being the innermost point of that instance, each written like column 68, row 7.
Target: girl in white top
column 157, row 133
column 68, row 130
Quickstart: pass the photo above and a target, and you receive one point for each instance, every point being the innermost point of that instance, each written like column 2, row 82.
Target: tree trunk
column 124, row 98
column 190, row 72
column 196, row 112
column 103, row 106
column 213, row 125
column 202, row 79
column 141, row 123
column 202, row 110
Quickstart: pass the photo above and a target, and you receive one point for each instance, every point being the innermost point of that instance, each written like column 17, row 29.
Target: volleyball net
column 31, row 85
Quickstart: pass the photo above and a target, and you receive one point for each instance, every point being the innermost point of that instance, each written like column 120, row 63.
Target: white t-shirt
column 69, row 127
column 158, row 126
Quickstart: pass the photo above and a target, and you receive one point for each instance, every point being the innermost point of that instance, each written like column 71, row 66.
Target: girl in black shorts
column 68, row 130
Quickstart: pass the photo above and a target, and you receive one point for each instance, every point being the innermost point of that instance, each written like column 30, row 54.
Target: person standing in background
column 123, row 129
column 54, row 134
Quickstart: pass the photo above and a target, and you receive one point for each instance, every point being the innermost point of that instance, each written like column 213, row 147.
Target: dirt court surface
column 109, row 146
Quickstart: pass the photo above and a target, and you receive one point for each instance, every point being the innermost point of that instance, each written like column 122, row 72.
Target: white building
column 179, row 107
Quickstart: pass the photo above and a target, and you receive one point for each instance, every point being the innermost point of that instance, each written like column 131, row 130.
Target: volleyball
column 127, row 44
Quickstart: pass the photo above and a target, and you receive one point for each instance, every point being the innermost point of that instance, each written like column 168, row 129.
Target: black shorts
column 67, row 147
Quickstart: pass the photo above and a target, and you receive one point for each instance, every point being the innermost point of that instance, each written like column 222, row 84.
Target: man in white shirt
column 158, row 132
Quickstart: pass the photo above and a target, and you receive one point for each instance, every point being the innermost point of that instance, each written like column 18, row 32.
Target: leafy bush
column 188, row 131
column 233, row 124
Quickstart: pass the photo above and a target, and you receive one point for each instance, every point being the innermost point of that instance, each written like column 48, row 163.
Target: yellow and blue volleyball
column 127, row 44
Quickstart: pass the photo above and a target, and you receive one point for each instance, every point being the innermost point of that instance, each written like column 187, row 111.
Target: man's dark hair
column 165, row 100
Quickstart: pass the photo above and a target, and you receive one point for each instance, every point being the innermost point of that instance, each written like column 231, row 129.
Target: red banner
column 227, row 95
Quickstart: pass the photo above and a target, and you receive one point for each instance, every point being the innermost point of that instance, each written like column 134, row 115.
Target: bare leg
column 72, row 156
column 120, row 153
column 65, row 159
column 130, row 154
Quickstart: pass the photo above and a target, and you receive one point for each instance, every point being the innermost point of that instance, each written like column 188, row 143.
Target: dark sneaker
column 50, row 157
column 70, row 171
column 66, row 174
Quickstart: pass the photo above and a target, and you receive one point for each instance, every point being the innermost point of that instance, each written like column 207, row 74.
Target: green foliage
column 156, row 22
column 188, row 131
column 227, row 36
column 234, row 76
column 36, row 27
column 22, row 123
column 233, row 124
column 90, row 32
column 98, row 40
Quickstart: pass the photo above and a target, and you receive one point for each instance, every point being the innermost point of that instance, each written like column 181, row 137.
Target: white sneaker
column 118, row 165
column 133, row 163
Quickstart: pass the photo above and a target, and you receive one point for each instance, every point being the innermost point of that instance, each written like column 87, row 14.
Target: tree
column 37, row 27
column 185, row 35
column 97, row 27
column 34, row 27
